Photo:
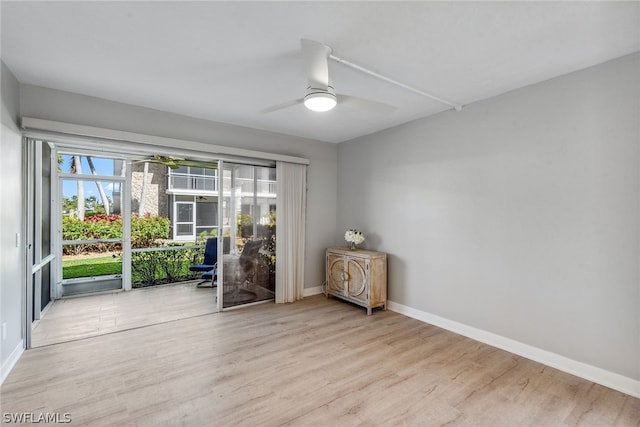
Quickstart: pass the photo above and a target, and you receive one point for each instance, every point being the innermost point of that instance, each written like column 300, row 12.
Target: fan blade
column 282, row 106
column 365, row 104
column 316, row 61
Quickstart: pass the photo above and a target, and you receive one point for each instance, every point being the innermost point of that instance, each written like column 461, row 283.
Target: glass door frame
column 220, row 265
column 117, row 150
column 36, row 261
column 56, row 211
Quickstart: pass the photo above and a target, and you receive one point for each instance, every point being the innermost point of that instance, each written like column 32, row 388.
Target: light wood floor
column 315, row 362
column 88, row 316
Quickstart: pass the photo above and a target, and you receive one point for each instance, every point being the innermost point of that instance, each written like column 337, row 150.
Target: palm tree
column 103, row 195
column 143, row 192
column 76, row 167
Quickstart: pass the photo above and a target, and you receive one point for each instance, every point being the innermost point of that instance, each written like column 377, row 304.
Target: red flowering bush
column 145, row 232
column 103, row 217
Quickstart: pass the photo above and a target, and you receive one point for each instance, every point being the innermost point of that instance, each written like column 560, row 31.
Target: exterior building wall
column 156, row 201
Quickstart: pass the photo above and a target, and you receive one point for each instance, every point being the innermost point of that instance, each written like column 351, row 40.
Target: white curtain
column 291, row 212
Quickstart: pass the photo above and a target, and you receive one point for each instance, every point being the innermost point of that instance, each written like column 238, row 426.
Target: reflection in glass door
column 248, row 224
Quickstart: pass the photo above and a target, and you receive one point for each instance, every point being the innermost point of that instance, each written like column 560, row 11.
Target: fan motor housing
column 320, row 100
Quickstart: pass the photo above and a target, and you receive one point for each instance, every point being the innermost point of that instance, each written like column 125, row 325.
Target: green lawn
column 88, row 267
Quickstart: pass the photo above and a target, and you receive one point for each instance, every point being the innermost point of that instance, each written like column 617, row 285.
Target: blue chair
column 209, row 266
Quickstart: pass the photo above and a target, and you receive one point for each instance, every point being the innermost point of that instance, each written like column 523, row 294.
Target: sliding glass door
column 249, row 231
column 101, row 221
column 91, row 224
column 38, row 208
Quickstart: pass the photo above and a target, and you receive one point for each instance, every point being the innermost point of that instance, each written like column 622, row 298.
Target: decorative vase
column 353, row 246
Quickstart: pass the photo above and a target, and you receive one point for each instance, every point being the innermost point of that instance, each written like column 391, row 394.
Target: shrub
column 203, row 236
column 144, row 268
column 72, row 229
column 92, row 228
column 145, row 232
column 102, row 217
column 175, row 263
column 163, row 266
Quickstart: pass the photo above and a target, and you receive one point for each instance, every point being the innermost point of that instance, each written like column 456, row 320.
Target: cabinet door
column 336, row 276
column 357, row 275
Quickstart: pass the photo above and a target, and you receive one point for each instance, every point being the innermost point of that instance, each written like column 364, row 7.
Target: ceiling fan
column 320, row 95
column 176, row 162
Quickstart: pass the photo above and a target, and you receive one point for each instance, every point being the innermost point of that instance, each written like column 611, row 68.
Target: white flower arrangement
column 354, row 237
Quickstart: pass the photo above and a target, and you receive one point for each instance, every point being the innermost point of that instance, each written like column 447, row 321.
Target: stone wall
column 156, row 201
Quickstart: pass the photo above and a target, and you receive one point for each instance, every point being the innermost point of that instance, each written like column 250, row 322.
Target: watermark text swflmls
column 33, row 417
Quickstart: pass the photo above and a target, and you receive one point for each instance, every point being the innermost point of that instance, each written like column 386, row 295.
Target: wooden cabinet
column 358, row 276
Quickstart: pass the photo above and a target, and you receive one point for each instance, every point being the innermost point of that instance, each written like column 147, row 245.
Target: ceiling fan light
column 320, row 101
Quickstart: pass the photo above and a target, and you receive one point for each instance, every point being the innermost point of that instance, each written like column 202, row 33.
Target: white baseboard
column 597, row 375
column 11, row 361
column 307, row 292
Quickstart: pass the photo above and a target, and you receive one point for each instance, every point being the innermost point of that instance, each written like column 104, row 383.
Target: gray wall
column 11, row 261
column 518, row 216
column 67, row 107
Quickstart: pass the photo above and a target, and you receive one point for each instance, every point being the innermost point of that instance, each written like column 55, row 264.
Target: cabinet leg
column 368, row 311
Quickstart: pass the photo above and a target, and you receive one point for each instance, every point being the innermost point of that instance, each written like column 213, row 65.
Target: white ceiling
column 226, row 61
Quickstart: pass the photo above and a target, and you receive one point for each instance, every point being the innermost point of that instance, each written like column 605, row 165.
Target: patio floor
column 88, row 316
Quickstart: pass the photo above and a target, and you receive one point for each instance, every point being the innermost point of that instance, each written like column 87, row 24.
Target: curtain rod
column 158, row 141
